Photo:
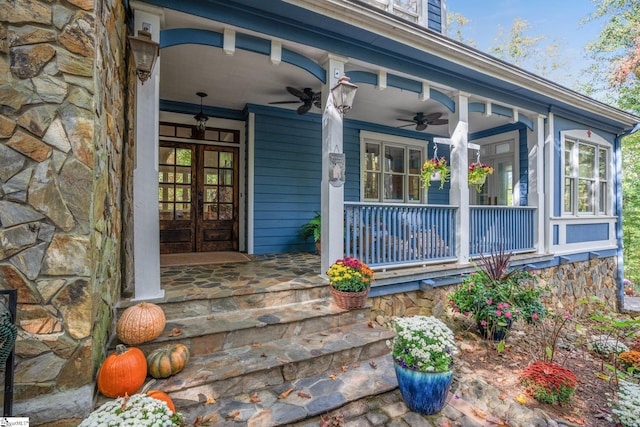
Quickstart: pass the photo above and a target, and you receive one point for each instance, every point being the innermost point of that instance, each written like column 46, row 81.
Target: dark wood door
column 198, row 197
column 217, row 195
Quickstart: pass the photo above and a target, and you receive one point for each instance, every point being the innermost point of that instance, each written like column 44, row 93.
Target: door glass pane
column 226, row 160
column 226, row 211
column 166, row 211
column 183, row 175
column 226, row 194
column 371, row 190
column 184, row 132
column 166, row 156
column 165, row 174
column 183, row 157
column 183, row 211
column 227, row 137
column 183, row 193
column 211, row 177
column 212, row 135
column 210, row 159
column 210, row 211
column 226, row 177
column 211, row 194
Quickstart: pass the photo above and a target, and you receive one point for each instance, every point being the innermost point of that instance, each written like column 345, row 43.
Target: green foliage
column 455, row 28
column 615, row 47
column 495, row 295
column 311, row 228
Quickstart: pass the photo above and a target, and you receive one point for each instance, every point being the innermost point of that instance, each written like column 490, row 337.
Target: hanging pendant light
column 201, row 117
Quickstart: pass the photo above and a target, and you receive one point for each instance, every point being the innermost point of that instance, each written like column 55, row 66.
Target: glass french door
column 197, row 197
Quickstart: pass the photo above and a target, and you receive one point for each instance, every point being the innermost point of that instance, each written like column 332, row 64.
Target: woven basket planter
column 349, row 300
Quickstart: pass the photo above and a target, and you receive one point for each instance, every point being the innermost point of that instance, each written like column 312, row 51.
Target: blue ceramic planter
column 423, row 392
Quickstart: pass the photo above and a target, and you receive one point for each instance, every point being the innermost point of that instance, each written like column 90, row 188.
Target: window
column 391, row 170
column 585, row 177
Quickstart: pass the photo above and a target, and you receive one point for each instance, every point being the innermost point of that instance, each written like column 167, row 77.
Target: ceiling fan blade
column 285, row 102
column 421, row 126
column 433, row 116
column 406, row 126
column 295, row 92
column 439, row 122
column 304, row 108
column 406, row 120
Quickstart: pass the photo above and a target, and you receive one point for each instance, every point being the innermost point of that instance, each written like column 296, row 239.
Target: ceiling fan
column 422, row 121
column 307, row 96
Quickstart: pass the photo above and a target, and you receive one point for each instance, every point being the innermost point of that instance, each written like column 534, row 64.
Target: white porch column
column 331, row 198
column 536, row 183
column 459, row 193
column 146, row 221
column 549, row 144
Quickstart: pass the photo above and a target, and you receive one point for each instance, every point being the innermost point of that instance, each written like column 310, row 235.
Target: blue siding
column 435, row 15
column 556, row 234
column 287, row 156
column 587, row 233
column 287, row 173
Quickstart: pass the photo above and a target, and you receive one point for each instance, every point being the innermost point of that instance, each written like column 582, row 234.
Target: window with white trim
column 391, row 170
column 586, row 177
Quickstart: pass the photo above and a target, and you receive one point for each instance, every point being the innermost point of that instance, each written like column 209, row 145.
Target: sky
column 555, row 19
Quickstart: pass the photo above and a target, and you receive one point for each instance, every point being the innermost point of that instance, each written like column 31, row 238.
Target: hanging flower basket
column 434, row 170
column 478, row 174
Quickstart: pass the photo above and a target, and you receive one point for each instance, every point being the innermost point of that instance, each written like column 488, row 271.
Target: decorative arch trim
column 367, row 77
column 500, row 110
column 179, row 36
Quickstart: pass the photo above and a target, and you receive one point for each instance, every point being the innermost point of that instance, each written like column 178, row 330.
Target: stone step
column 306, row 397
column 226, row 330
column 255, row 367
column 205, row 300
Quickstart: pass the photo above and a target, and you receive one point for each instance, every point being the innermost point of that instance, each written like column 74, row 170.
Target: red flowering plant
column 549, row 383
column 495, row 296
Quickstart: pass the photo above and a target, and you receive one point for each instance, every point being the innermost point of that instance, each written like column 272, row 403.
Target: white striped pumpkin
column 140, row 323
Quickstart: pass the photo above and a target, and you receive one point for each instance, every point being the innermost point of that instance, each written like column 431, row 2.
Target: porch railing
column 492, row 228
column 394, row 234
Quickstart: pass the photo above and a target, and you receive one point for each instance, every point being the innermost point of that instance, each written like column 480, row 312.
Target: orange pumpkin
column 122, row 372
column 161, row 395
column 168, row 360
column 141, row 323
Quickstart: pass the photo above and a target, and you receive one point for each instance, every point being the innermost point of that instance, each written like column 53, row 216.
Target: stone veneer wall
column 569, row 283
column 62, row 127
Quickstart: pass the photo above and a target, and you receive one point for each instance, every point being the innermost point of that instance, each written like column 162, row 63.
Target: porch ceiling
column 232, row 81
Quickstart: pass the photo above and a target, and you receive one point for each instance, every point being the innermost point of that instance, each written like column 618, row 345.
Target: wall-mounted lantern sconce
column 145, row 53
column 343, row 94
